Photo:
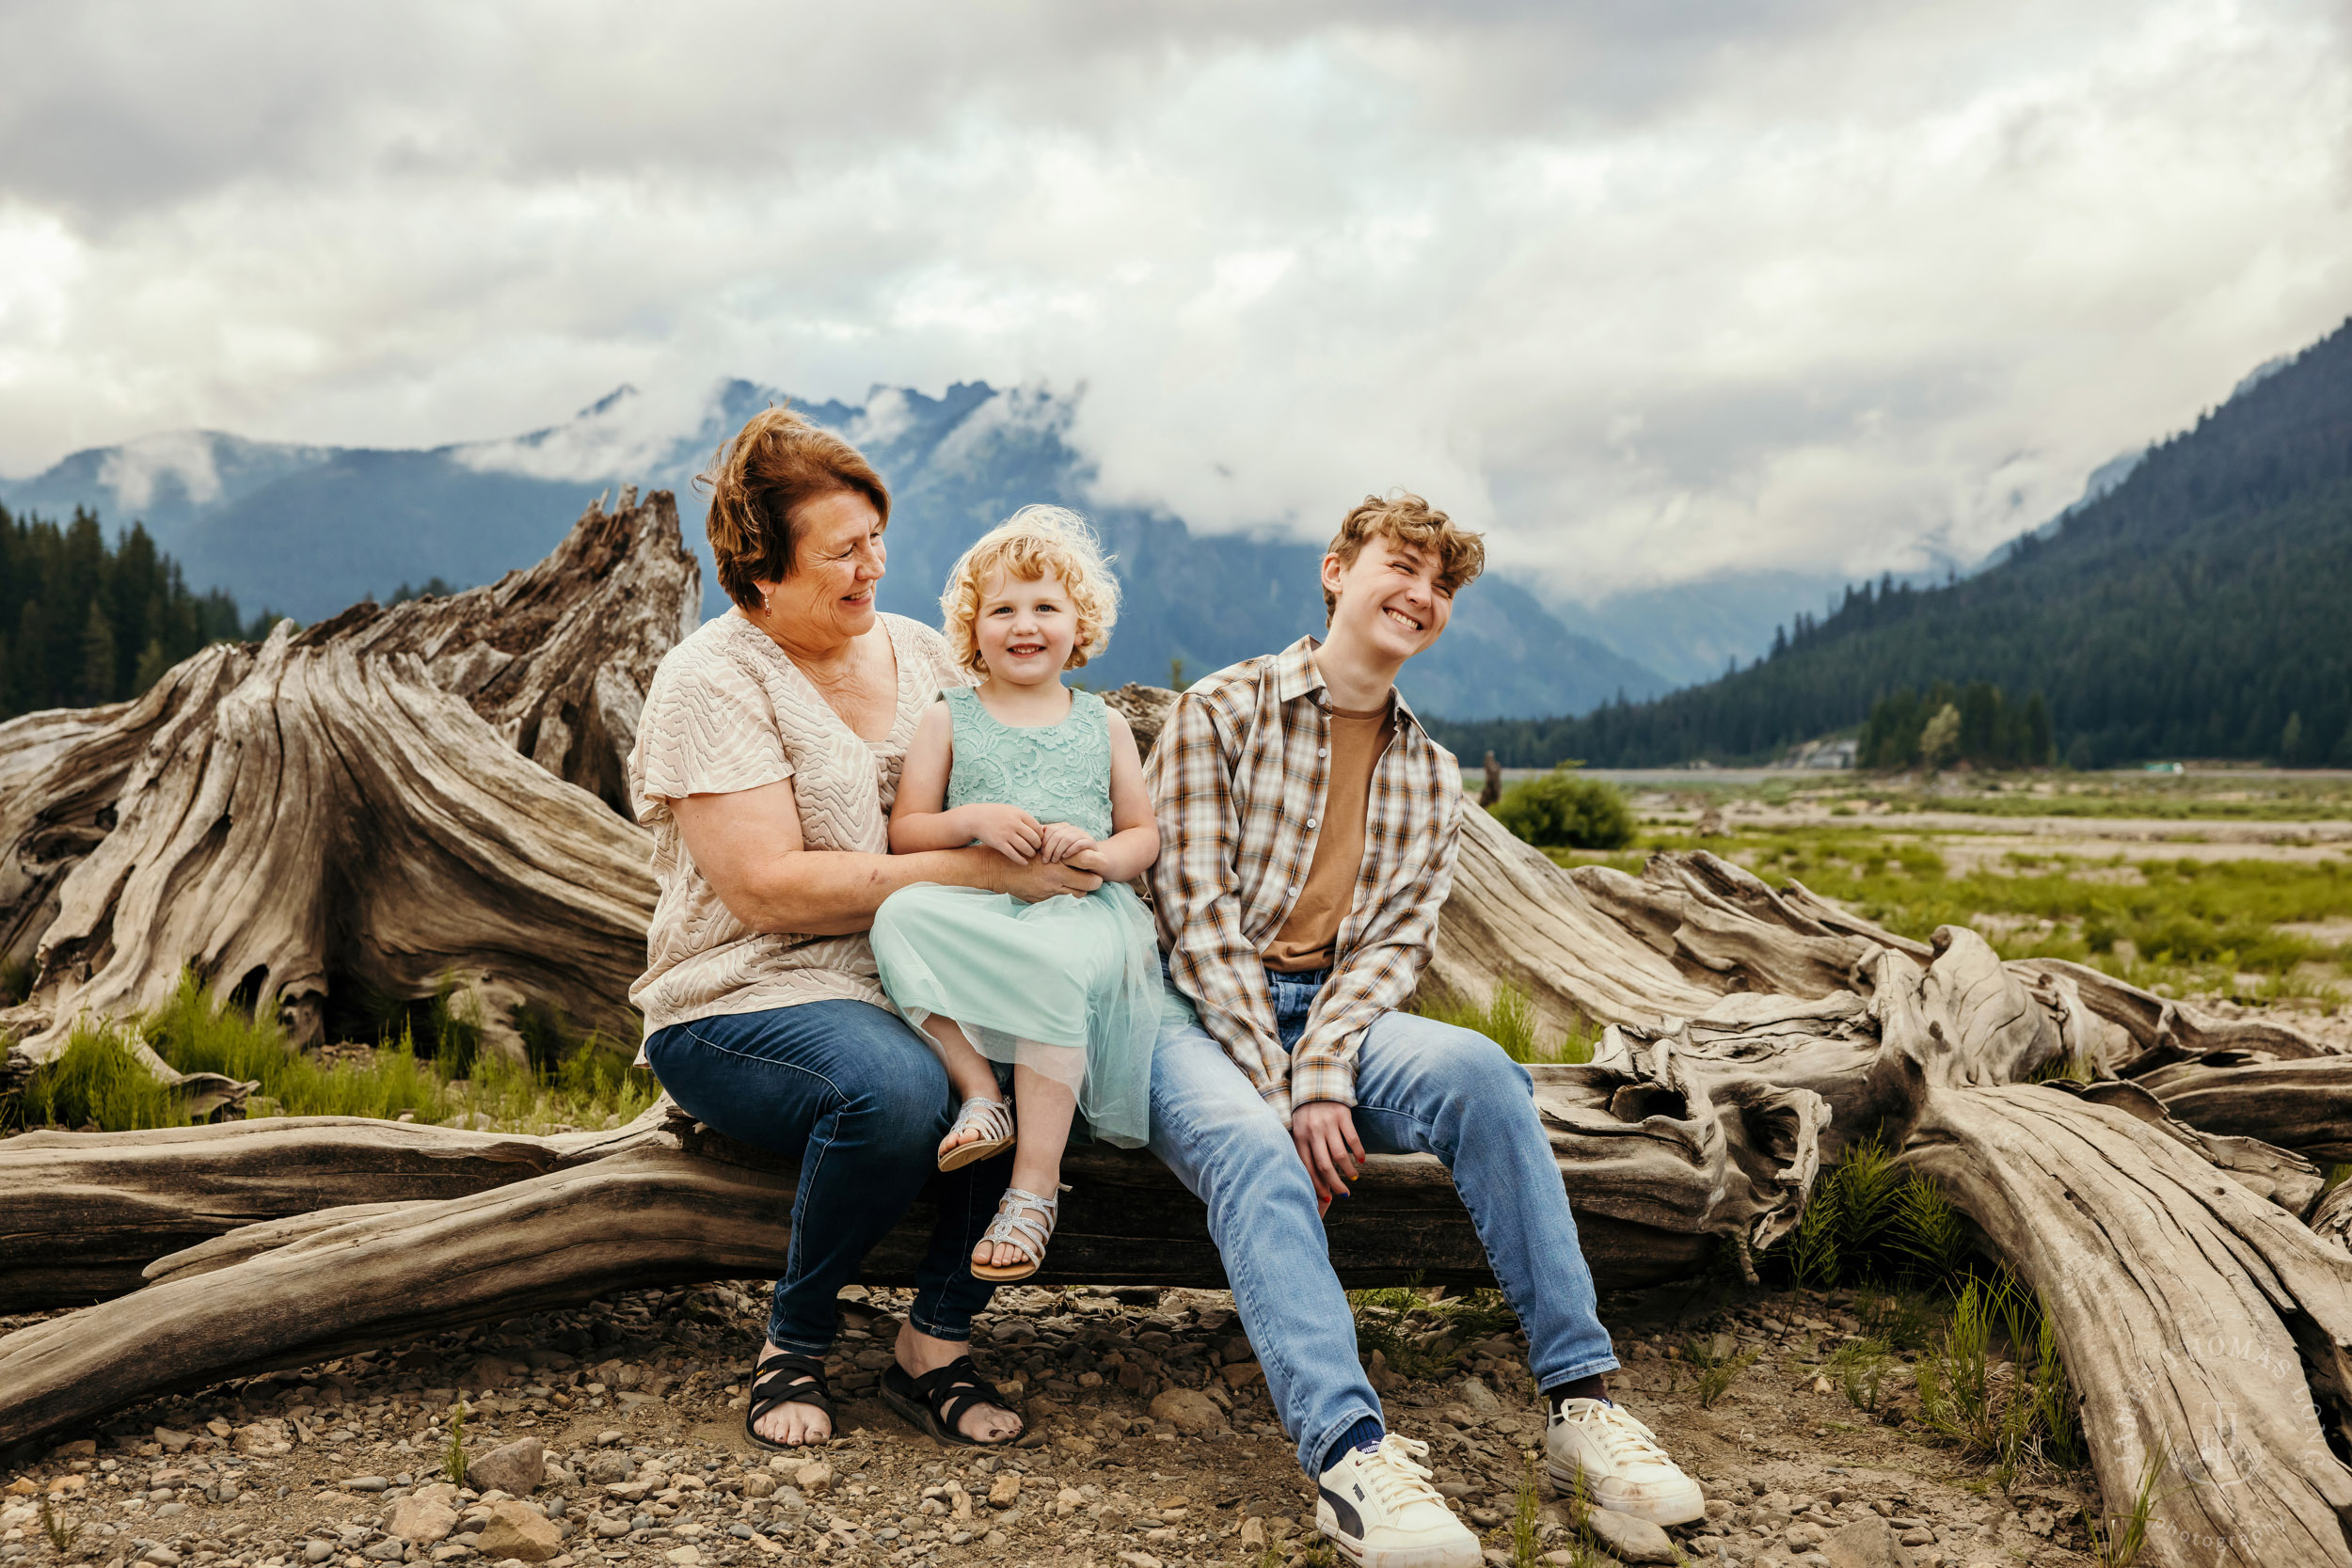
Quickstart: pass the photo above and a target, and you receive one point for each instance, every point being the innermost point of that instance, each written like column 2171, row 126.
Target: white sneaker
column 1623, row 1467
column 1379, row 1510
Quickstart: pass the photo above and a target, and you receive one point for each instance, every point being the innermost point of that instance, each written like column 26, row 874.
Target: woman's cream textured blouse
column 728, row 711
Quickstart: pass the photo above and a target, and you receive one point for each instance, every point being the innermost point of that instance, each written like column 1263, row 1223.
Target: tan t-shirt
column 1308, row 938
column 727, row 712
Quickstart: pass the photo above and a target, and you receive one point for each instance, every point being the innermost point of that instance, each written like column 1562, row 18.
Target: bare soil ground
column 1151, row 1445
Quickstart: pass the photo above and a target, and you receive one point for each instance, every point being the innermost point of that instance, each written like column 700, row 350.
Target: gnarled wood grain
column 2304, row 1105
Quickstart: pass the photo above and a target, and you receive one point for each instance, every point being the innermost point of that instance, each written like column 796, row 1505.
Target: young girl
column 1067, row 990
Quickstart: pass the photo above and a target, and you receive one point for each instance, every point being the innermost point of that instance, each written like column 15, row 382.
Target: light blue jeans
column 1422, row 1087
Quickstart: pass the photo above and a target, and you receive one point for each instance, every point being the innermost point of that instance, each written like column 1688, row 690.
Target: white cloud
column 1649, row 291
column 132, row 470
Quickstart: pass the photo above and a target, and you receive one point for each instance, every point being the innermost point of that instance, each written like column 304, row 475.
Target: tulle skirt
column 1069, row 987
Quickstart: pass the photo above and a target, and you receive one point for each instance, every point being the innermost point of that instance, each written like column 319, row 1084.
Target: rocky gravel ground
column 614, row 1435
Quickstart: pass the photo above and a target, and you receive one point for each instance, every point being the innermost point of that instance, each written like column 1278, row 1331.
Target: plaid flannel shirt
column 1238, row 780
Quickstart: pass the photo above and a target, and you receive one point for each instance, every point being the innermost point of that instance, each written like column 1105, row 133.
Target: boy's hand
column 1062, row 842
column 1008, row 830
column 1325, row 1131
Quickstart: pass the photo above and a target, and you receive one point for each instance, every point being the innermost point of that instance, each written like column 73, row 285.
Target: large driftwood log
column 82, row 1214
column 226, row 819
column 1660, row 1169
column 2304, row 1105
column 2197, row 1320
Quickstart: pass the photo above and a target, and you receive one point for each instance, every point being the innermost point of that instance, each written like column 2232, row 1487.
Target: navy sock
column 1365, row 1433
column 1592, row 1386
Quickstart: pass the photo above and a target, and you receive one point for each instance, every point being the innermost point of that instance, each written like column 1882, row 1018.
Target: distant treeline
column 1978, row 725
column 83, row 621
column 2197, row 609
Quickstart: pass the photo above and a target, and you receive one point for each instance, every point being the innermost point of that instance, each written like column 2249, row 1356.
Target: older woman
column 766, row 762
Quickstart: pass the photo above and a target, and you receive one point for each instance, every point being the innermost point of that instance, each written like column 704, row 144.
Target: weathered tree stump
column 350, row 810
column 403, row 793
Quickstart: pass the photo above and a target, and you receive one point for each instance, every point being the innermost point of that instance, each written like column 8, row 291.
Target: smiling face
column 1026, row 628
column 1389, row 599
column 836, row 560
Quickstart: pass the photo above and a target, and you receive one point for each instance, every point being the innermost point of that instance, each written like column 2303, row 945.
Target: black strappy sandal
column 787, row 1378
column 937, row 1401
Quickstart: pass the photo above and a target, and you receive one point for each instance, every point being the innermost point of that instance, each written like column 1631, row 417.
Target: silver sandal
column 992, row 1118
column 1026, row 1220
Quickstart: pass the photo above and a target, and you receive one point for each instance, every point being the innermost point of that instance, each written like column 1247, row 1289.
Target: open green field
column 2227, row 885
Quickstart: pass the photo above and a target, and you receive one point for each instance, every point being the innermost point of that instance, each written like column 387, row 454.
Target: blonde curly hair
column 1035, row 543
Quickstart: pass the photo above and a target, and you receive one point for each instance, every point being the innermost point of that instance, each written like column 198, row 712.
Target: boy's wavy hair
column 1407, row 519
column 1035, row 543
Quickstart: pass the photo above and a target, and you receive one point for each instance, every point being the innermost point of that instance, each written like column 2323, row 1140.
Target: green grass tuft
column 1509, row 1021
column 1865, row 1223
column 1716, row 1374
column 2017, row 1414
column 1928, row 1231
column 1422, row 1339
column 1526, row 1514
column 61, row 1535
column 453, row 1456
column 2116, row 1543
column 1861, row 1366
column 98, row 1082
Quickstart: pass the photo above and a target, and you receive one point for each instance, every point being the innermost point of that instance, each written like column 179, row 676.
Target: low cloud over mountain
column 307, row 530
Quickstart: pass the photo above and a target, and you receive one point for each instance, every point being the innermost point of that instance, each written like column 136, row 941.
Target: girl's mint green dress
column 1070, row 987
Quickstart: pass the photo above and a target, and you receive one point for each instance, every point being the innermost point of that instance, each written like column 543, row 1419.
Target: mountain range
column 307, row 530
column 2194, row 607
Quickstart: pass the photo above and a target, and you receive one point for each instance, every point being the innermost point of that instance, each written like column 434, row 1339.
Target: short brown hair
column 777, row 462
column 1407, row 519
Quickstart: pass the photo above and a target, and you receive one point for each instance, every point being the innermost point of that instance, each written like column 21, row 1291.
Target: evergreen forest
column 84, row 622
column 2197, row 609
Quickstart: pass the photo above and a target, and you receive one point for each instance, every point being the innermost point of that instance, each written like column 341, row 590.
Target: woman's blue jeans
column 863, row 1102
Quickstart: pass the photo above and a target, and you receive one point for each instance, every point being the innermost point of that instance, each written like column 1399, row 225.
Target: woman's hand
column 1040, row 879
column 1062, row 841
column 1008, row 830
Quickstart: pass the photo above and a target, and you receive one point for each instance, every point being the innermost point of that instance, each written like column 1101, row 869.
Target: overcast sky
column 1651, row 289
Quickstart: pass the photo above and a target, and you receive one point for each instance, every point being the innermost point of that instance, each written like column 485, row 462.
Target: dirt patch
column 638, row 1400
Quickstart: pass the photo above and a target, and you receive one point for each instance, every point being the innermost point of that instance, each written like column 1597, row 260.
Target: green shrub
column 1564, row 810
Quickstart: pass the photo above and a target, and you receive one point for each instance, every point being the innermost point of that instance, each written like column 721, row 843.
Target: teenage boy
column 1309, row 826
